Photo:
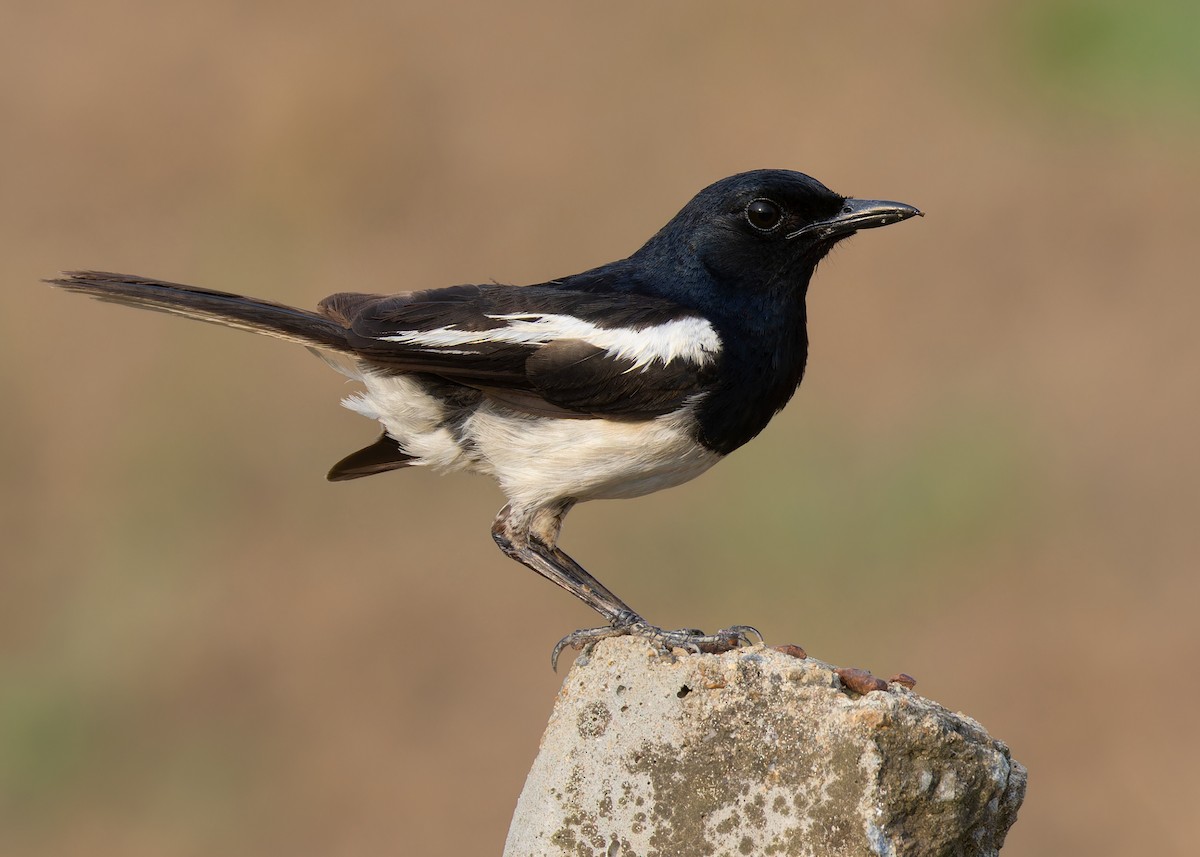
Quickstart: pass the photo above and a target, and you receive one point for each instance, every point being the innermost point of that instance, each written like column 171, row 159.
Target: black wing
column 539, row 348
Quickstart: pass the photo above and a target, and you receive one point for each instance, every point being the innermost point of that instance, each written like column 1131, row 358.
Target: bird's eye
column 764, row 215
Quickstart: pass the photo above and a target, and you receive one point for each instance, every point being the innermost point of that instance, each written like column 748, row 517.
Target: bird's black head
column 763, row 232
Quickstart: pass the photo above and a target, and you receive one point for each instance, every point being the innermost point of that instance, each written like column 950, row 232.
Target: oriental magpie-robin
column 616, row 382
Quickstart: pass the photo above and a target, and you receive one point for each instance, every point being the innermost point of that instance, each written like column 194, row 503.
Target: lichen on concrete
column 755, row 752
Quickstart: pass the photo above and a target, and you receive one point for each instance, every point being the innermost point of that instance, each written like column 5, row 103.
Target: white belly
column 538, row 459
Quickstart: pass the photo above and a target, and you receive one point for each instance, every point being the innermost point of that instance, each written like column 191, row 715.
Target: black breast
column 759, row 372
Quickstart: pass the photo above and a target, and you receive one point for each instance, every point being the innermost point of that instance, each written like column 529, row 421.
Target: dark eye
column 764, row 214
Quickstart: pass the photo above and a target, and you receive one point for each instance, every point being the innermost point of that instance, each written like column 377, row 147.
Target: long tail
column 271, row 319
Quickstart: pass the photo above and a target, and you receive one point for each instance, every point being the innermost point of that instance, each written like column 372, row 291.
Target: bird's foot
column 692, row 639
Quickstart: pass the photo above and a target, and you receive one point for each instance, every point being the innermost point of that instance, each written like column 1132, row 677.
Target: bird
column 622, row 380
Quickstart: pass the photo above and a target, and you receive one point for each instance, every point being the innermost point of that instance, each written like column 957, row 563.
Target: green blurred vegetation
column 47, row 740
column 1113, row 56
column 931, row 493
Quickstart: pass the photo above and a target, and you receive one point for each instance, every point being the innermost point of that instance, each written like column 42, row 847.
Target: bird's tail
column 258, row 316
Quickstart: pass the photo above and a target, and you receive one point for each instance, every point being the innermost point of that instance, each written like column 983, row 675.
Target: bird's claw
column 743, row 632
column 691, row 639
column 581, row 638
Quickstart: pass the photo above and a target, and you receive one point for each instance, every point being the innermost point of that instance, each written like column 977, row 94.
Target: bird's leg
column 529, row 536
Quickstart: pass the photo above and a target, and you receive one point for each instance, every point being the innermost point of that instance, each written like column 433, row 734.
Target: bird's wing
column 539, row 348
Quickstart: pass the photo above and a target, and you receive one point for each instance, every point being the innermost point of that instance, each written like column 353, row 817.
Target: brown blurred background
column 989, row 479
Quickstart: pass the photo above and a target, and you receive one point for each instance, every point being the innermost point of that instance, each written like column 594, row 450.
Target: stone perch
column 756, row 752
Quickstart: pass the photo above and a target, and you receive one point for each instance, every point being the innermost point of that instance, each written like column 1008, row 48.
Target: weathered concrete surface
column 756, row 752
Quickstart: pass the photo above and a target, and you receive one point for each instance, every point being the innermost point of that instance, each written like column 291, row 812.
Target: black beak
column 859, row 214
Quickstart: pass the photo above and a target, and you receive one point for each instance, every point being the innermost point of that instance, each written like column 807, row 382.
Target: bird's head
column 765, row 230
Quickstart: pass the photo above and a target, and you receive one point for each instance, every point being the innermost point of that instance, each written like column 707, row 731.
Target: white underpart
column 537, row 459
column 691, row 339
column 411, row 416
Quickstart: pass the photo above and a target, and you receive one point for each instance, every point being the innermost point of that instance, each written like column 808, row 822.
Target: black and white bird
column 622, row 380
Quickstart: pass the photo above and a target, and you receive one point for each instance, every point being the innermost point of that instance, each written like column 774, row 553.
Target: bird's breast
column 758, row 374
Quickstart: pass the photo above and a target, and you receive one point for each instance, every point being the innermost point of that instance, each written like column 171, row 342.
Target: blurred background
column 989, row 479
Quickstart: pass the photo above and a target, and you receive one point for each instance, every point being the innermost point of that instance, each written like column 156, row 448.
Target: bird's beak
column 859, row 214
